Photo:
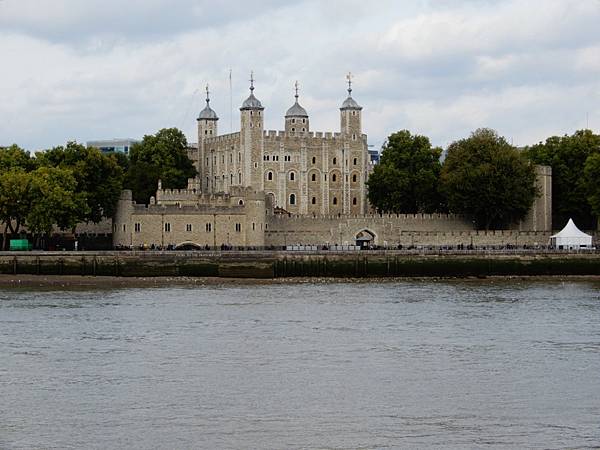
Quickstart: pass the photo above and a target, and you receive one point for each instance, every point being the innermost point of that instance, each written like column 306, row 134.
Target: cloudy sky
column 96, row 69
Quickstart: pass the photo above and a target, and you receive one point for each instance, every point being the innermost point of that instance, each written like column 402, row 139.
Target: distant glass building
column 373, row 156
column 113, row 145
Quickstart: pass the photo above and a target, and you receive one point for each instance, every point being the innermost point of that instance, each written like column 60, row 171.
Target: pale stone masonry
column 258, row 188
column 303, row 172
column 188, row 217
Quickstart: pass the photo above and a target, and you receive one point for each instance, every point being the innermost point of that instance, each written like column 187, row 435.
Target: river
column 442, row 364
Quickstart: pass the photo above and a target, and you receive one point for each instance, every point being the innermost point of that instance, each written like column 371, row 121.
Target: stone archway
column 188, row 246
column 365, row 239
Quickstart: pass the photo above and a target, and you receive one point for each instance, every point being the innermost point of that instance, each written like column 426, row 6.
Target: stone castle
column 303, row 172
column 258, row 188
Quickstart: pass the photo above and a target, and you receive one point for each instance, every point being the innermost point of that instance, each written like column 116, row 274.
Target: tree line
column 482, row 177
column 66, row 185
column 488, row 180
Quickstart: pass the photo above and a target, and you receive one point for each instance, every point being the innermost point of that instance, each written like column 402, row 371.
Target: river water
column 486, row 364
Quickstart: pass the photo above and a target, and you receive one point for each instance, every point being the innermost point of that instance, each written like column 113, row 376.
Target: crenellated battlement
column 278, row 135
column 196, row 209
column 224, row 138
column 373, row 217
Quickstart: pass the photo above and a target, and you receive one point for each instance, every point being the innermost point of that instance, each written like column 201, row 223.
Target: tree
column 592, row 182
column 161, row 156
column 406, row 179
column 567, row 155
column 14, row 184
column 53, row 201
column 99, row 178
column 14, row 200
column 15, row 157
column 488, row 180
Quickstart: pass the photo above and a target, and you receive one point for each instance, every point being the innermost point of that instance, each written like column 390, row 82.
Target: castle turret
column 251, row 141
column 350, row 115
column 207, row 128
column 296, row 118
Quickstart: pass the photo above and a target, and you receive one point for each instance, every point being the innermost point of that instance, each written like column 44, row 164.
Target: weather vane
column 349, row 78
column 252, row 80
column 207, row 94
column 296, row 86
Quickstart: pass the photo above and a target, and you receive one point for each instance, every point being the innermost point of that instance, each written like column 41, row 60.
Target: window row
column 334, row 161
column 223, row 158
column 313, row 200
column 188, row 227
column 313, row 177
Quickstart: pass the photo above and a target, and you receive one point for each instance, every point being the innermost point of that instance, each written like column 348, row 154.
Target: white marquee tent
column 571, row 237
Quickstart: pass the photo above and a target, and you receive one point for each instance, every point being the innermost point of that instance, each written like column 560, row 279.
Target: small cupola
column 296, row 118
column 207, row 113
column 350, row 103
column 252, row 103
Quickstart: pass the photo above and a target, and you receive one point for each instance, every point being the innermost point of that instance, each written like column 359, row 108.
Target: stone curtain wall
column 394, row 230
column 387, row 229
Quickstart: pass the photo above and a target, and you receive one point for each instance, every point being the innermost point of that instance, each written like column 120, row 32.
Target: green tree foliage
column 488, row 180
column 567, row 155
column 592, row 182
column 15, row 157
column 14, row 198
column 161, row 156
column 53, row 200
column 14, row 188
column 406, row 179
column 99, row 178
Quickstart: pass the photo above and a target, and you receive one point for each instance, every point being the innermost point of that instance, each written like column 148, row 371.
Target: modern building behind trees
column 113, row 145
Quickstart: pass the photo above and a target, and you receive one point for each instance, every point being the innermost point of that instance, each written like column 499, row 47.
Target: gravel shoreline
column 108, row 282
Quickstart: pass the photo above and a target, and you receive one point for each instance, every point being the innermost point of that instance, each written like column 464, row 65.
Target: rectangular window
column 208, row 227
column 124, row 228
column 167, row 227
column 138, row 227
column 238, row 227
column 188, row 227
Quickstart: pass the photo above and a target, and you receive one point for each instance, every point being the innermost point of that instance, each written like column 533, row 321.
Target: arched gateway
column 365, row 238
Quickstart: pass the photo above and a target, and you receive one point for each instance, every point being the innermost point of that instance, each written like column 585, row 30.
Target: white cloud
column 107, row 69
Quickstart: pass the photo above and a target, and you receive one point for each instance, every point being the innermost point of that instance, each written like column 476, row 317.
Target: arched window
column 354, row 161
column 231, row 178
column 314, row 200
column 240, row 177
column 314, row 177
column 334, row 161
column 354, row 201
column 354, row 178
column 314, row 160
column 241, row 202
column 334, row 178
column 335, row 200
column 292, row 176
column 270, row 176
column 292, row 199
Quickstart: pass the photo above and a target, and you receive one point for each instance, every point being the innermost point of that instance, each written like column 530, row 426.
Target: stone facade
column 318, row 180
column 186, row 217
column 303, row 172
column 540, row 215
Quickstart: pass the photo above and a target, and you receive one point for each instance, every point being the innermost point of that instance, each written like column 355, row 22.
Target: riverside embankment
column 278, row 264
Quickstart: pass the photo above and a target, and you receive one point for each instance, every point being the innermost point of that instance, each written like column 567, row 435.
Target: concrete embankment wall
column 282, row 264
